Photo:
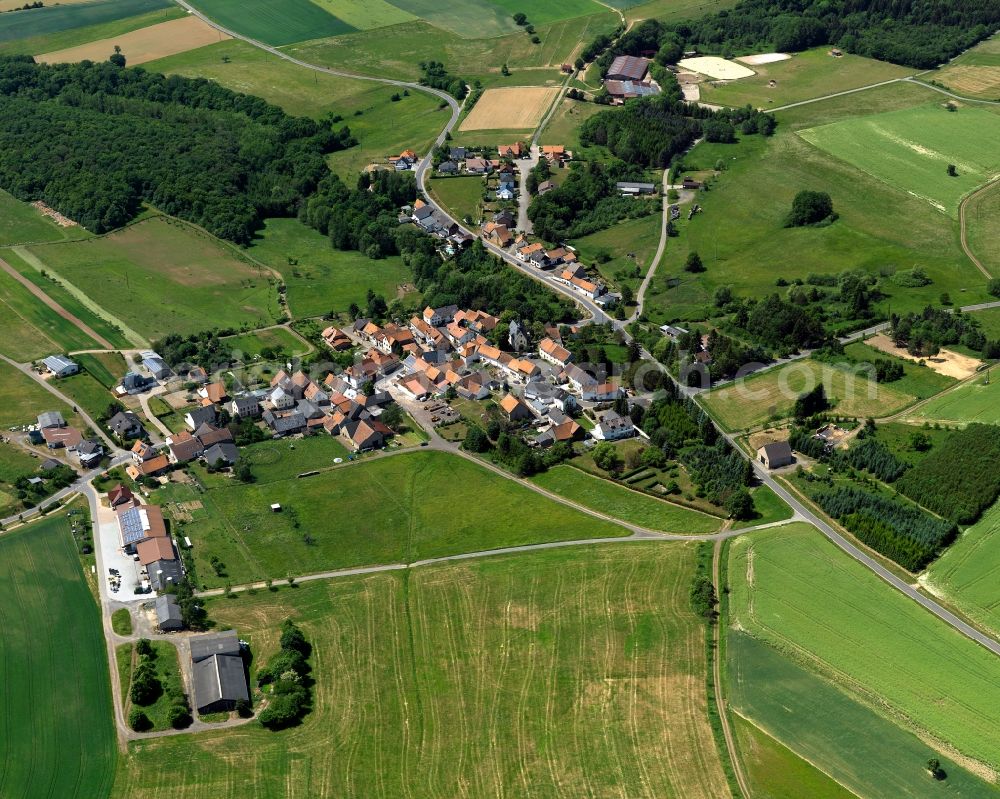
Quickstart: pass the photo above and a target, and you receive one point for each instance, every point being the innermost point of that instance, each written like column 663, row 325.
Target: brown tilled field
column 145, row 44
column 510, row 109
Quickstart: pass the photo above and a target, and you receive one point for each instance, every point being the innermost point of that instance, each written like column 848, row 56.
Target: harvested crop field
column 145, row 44
column 972, row 79
column 946, row 362
column 553, row 674
column 510, row 109
column 715, row 67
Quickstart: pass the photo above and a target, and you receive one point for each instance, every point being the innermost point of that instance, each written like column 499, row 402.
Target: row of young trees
column 916, row 33
column 95, row 141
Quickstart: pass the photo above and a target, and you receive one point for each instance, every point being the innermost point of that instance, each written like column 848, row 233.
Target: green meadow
column 743, row 242
column 366, row 14
column 20, row 223
column 107, row 368
column 975, row 401
column 858, row 748
column 57, row 18
column 463, row 196
column 968, row 572
column 911, row 150
column 162, row 276
column 276, row 338
column 551, row 674
column 59, row 738
column 623, row 503
column 795, row 590
column 291, row 21
column 22, row 399
column 323, row 279
column 364, row 514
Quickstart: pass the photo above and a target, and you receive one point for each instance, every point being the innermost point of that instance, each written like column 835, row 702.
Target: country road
column 598, row 315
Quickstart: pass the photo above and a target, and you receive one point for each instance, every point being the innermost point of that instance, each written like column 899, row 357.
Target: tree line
column 95, row 142
column 915, row 33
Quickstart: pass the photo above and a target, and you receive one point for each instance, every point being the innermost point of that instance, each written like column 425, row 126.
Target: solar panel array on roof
column 134, row 523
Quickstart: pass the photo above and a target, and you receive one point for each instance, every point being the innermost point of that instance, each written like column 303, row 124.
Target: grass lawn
column 556, row 674
column 856, row 746
column 31, row 328
column 391, row 518
column 162, row 276
column 396, row 52
column 121, row 621
column 792, row 588
column 989, row 320
column 768, row 507
column 168, row 672
column 20, row 223
column 22, row 399
column 462, row 195
column 967, row 573
column 772, row 394
column 292, row 21
column 809, row 74
column 64, row 744
column 743, row 242
column 324, row 279
column 70, row 298
column 107, row 367
column 639, row 237
column 623, row 503
column 910, row 149
column 276, row 338
column 86, row 393
column 776, row 771
column 975, row 401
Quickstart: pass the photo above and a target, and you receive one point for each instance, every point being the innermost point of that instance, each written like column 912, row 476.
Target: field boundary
column 963, row 231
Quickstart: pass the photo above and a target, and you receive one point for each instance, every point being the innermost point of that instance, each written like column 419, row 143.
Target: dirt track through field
column 962, row 219
column 75, row 320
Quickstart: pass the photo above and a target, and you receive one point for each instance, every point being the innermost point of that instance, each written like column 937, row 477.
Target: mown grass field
column 30, row 328
column 291, row 21
column 567, row 674
column 563, row 127
column 72, row 300
column 324, row 279
column 911, row 149
column 623, row 503
column 768, row 507
column 967, row 573
column 743, row 242
column 22, row 399
column 795, row 590
column 638, row 237
column 975, row 401
column 776, row 771
column 389, row 510
column 20, row 223
column 366, row 14
column 854, row 745
column 58, row 18
column 161, row 276
column 58, row 734
column 772, row 394
column 34, row 42
column 251, row 344
column 974, row 73
column 812, row 73
column 463, row 196
column 982, row 220
column 396, row 52
column 86, row 392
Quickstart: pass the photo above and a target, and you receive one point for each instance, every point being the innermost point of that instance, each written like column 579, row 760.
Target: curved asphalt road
column 599, row 316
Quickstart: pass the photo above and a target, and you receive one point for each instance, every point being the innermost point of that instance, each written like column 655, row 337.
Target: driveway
column 112, row 557
column 524, row 166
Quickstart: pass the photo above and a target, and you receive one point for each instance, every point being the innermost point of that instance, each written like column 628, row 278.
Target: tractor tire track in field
column 963, row 224
column 76, row 321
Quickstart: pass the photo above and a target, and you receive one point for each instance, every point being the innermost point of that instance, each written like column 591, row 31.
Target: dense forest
column 653, row 131
column 960, row 478
column 916, row 33
column 95, row 141
column 587, row 201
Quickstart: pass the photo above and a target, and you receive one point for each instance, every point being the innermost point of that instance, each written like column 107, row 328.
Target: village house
column 577, row 378
column 196, row 417
column 184, row 447
column 336, row 339
column 214, row 392
column 497, row 234
column 514, row 150
column 554, row 353
column 133, row 384
column 245, row 407
column 613, row 426
column 477, row 166
column 776, row 455
column 545, row 187
column 168, row 613
column 515, row 409
column 601, row 392
column 448, row 167
column 60, row 366
column 436, row 317
column 126, row 424
column 155, row 365
column 562, row 429
column 90, row 453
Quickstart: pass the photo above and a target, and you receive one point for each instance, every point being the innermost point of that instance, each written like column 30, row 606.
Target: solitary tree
column 810, row 208
column 693, row 263
column 117, row 58
column 952, row 171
